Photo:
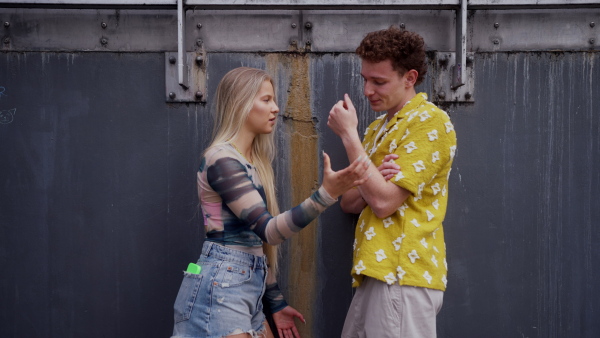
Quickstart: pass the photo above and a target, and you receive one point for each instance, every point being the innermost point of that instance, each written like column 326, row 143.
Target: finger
column 296, row 334
column 326, row 162
column 301, row 317
column 280, row 332
column 348, row 102
column 362, row 180
column 390, row 157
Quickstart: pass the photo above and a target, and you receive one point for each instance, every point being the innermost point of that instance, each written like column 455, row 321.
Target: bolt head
column 592, row 41
column 308, row 42
column 172, row 95
column 308, row 25
column 104, row 41
column 403, row 25
column 496, row 25
column 172, row 59
column 199, row 95
column 6, row 24
column 592, row 24
column 467, row 95
column 199, row 25
column 6, row 41
column 199, row 60
column 294, row 25
column 496, row 42
column 199, row 42
column 103, row 25
column 442, row 95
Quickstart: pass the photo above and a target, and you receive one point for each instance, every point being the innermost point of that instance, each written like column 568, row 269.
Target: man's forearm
column 383, row 196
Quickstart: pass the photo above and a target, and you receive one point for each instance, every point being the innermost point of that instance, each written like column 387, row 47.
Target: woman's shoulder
column 216, row 152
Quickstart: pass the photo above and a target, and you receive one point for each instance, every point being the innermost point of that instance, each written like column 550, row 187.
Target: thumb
column 326, row 162
column 348, row 102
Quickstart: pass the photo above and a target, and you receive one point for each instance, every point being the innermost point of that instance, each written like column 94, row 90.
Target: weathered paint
column 304, row 179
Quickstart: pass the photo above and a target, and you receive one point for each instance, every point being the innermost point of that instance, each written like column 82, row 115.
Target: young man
column 399, row 259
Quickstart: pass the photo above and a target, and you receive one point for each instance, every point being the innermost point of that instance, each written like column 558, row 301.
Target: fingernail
column 359, row 159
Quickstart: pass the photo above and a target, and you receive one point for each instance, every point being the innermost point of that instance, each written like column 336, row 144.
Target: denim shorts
column 225, row 298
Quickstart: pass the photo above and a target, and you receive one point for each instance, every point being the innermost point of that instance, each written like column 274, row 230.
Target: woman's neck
column 243, row 143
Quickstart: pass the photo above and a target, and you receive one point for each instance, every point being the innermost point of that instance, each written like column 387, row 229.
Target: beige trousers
column 379, row 310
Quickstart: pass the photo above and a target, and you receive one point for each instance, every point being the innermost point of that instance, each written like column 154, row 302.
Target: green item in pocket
column 193, row 268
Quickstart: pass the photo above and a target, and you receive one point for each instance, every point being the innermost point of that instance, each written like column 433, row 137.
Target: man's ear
column 411, row 77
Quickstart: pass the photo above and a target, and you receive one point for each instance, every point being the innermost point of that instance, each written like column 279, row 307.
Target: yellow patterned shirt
column 408, row 247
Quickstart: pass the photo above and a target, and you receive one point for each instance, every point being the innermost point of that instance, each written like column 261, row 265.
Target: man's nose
column 367, row 90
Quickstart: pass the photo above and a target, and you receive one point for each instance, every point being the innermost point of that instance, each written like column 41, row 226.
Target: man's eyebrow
column 374, row 77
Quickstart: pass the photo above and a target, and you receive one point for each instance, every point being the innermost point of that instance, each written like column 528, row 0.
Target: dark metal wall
column 98, row 205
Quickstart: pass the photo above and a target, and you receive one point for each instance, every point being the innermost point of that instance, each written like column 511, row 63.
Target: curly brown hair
column 406, row 50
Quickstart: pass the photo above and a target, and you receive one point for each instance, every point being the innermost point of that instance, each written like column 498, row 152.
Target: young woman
column 237, row 195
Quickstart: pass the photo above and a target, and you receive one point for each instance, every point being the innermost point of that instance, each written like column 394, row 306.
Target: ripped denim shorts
column 225, row 298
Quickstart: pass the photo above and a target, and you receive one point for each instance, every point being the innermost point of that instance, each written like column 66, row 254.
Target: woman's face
column 262, row 116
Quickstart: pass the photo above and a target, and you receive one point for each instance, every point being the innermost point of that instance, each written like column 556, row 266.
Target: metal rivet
column 592, row 24
column 402, row 25
column 467, row 95
column 199, row 95
column 496, row 42
column 172, row 95
column 294, row 25
column 104, row 41
column 199, row 25
column 592, row 41
column 6, row 41
column 308, row 25
column 103, row 25
column 442, row 95
column 199, row 42
column 6, row 24
column 199, row 60
column 294, row 42
column 172, row 59
column 496, row 25
column 308, row 42
column 470, row 60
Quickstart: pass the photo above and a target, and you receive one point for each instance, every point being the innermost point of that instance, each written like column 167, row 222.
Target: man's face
column 384, row 87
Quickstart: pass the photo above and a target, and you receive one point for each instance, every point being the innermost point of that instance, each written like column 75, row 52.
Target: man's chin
column 377, row 108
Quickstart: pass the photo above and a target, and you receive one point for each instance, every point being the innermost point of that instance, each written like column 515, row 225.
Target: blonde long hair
column 234, row 100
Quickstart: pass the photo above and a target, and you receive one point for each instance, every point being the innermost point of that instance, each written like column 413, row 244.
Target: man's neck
column 391, row 113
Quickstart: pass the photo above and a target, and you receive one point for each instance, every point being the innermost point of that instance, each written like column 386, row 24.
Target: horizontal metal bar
column 304, row 4
column 85, row 4
column 527, row 4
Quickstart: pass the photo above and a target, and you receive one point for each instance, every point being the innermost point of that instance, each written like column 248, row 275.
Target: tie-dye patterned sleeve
column 229, row 178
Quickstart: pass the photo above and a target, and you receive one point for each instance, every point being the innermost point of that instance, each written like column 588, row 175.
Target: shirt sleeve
column 273, row 300
column 229, row 178
column 423, row 150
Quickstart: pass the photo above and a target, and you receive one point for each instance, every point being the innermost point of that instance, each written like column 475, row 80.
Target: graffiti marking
column 7, row 116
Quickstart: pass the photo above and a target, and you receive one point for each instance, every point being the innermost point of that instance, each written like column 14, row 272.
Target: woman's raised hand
column 338, row 182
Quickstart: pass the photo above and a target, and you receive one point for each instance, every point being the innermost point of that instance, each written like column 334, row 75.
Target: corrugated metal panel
column 98, row 211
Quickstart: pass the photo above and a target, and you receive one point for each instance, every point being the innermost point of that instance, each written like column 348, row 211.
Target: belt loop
column 209, row 247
